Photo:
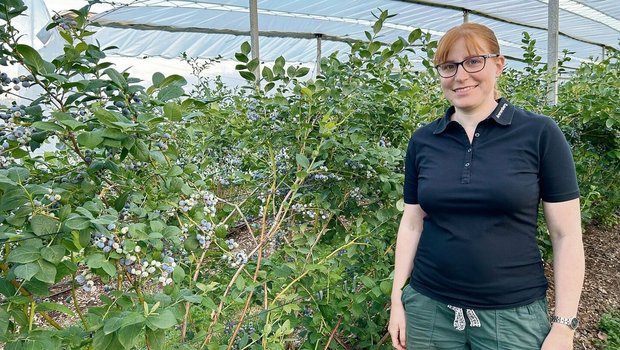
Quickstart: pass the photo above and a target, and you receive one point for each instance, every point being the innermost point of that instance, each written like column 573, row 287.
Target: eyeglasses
column 470, row 64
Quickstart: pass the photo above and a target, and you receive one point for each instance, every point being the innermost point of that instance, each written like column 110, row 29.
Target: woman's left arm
column 564, row 224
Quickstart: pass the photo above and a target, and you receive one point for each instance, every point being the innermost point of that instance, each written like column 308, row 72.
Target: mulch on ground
column 601, row 290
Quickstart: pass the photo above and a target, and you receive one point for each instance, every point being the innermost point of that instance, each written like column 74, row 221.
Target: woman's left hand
column 559, row 338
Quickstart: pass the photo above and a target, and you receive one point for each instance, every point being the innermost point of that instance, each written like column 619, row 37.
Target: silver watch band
column 571, row 322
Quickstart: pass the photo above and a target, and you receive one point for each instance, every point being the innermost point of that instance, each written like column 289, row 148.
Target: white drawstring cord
column 459, row 318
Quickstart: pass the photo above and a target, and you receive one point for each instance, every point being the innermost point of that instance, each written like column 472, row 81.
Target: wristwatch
column 571, row 322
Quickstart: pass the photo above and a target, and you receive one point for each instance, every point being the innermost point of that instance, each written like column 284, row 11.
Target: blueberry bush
column 256, row 218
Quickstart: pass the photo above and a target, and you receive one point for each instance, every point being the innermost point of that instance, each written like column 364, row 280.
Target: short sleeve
column 410, row 189
column 558, row 180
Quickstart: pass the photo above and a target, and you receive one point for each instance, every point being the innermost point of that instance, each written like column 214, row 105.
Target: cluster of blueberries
column 324, row 175
column 16, row 82
column 204, row 238
column 206, row 197
column 140, row 268
column 248, row 330
column 10, row 130
column 282, row 161
column 309, row 210
column 234, row 258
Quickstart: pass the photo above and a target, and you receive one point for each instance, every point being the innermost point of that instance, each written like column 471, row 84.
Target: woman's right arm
column 407, row 240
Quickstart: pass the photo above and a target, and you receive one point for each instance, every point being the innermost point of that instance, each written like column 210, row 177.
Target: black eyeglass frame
column 484, row 64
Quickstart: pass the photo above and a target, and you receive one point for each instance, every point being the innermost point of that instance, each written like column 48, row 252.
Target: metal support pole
column 465, row 16
column 318, row 53
column 604, row 53
column 553, row 24
column 254, row 35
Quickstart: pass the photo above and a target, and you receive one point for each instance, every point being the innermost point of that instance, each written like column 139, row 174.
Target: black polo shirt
column 478, row 246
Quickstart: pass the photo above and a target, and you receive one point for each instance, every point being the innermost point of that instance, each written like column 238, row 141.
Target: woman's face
column 469, row 91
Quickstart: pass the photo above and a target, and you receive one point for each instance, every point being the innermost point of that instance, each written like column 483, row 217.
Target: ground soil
column 601, row 290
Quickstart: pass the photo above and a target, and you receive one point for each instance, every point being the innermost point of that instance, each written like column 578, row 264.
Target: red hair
column 478, row 39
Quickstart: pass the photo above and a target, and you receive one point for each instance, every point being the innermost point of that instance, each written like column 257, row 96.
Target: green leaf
column 246, row 48
column 170, row 92
column 6, row 288
column 172, row 111
column 24, row 254
column 112, row 324
column 47, row 126
column 397, row 46
column 102, row 340
column 414, row 35
column 400, row 205
column 96, row 261
column 302, row 72
column 171, row 231
column 178, row 275
column 157, row 339
column 374, row 46
column 90, row 139
column 241, row 57
column 12, row 199
column 376, row 28
column 158, row 156
column 77, row 222
column 55, row 307
column 18, row 174
column 609, row 123
column 173, row 79
column 132, row 318
column 44, row 225
column 165, row 319
column 47, row 272
column 302, row 161
column 128, row 336
column 53, row 254
column 278, row 66
column 37, row 287
column 193, row 298
column 119, row 203
column 291, row 71
column 104, row 116
column 156, row 225
column 33, row 60
column 247, row 75
column 253, row 64
column 174, row 171
column 68, row 120
column 27, row 271
column 116, row 77
column 306, row 91
column 267, row 73
column 158, row 78
column 109, row 268
column 4, row 321
column 386, row 287
column 140, row 151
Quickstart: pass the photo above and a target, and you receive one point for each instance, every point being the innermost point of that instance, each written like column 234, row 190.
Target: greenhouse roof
column 207, row 28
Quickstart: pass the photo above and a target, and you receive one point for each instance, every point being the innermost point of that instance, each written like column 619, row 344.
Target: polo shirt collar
column 502, row 114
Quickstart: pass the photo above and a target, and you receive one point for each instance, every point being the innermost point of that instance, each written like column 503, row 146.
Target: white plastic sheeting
column 206, row 28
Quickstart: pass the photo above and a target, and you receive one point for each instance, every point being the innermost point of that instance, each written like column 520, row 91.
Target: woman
column 467, row 238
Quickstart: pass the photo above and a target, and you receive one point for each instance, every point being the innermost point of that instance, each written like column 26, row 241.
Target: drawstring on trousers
column 459, row 318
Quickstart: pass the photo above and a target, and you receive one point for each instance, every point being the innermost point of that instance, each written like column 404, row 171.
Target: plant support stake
column 552, row 50
column 254, row 35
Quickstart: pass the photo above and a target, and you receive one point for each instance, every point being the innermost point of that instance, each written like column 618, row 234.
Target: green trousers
column 435, row 325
